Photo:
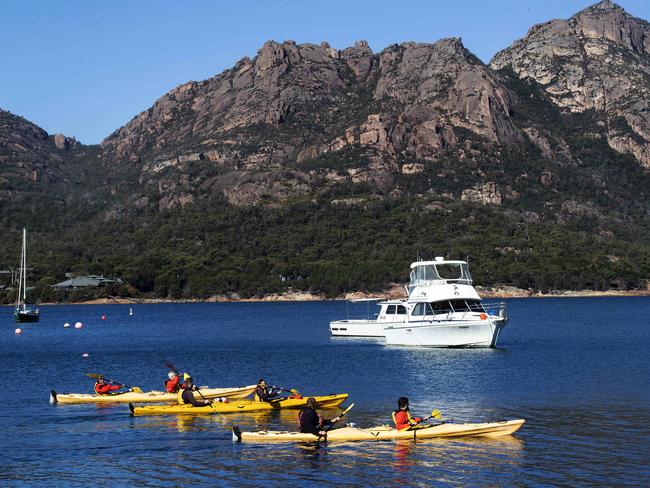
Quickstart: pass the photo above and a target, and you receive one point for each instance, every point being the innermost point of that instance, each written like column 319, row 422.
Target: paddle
column 435, row 414
column 342, row 414
column 329, row 427
column 97, row 376
column 196, row 388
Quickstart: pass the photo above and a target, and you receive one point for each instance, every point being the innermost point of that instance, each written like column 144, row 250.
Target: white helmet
column 171, row 375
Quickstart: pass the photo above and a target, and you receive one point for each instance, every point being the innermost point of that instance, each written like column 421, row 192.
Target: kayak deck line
column 385, row 433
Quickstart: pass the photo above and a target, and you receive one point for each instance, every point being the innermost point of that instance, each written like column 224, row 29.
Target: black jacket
column 311, row 422
column 264, row 394
column 188, row 398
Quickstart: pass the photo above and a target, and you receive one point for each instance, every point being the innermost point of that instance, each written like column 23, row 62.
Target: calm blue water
column 576, row 369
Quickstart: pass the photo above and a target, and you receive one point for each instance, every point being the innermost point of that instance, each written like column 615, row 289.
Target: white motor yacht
column 391, row 312
column 444, row 309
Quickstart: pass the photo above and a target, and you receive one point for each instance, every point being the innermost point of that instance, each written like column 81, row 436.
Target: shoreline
column 394, row 293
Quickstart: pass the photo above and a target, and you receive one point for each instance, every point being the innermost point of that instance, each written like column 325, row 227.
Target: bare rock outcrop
column 596, row 60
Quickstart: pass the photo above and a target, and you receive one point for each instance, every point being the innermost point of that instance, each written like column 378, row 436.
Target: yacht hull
column 473, row 333
column 360, row 328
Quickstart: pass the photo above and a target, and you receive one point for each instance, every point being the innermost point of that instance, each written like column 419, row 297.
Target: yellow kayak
column 149, row 396
column 386, row 433
column 328, row 401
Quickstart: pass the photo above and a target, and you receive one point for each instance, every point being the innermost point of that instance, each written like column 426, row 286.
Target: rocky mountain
column 261, row 125
column 301, row 120
column 28, row 152
column 598, row 60
column 46, row 175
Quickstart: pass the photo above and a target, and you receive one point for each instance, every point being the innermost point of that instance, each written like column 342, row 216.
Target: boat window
column 401, row 310
column 440, row 307
column 419, row 309
column 450, row 271
column 459, row 305
column 390, row 310
column 424, row 273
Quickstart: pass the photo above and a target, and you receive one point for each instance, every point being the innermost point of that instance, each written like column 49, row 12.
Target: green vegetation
column 328, row 249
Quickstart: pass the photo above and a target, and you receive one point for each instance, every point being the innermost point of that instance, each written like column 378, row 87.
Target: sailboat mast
column 24, row 265
column 20, row 279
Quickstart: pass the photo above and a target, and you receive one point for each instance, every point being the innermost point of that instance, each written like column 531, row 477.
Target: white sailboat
column 25, row 312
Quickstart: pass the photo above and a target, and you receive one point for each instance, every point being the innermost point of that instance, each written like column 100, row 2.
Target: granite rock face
column 27, row 151
column 308, row 120
column 294, row 104
column 597, row 60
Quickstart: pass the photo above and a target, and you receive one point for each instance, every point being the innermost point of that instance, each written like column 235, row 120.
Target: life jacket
column 172, row 386
column 259, row 390
column 403, row 419
column 105, row 388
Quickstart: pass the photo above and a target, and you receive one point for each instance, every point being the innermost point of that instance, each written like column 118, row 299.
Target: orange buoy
column 483, row 316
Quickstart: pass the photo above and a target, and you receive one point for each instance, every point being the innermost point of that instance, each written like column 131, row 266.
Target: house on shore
column 90, row 281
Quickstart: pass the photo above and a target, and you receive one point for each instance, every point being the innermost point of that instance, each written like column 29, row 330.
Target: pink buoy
column 84, row 355
column 103, row 317
column 78, row 325
column 19, row 331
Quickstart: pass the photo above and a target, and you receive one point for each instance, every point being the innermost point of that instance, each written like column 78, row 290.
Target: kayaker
column 173, row 383
column 186, row 395
column 103, row 388
column 310, row 422
column 262, row 392
column 402, row 416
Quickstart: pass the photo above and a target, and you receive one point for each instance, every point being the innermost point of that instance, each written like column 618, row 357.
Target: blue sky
column 85, row 68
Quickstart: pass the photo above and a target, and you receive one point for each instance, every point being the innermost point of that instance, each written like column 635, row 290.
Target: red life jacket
column 403, row 420
column 172, row 386
column 105, row 388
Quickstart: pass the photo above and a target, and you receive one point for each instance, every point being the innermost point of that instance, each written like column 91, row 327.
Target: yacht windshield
column 449, row 272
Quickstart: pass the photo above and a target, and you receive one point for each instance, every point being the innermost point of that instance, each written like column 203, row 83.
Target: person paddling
column 309, row 421
column 263, row 393
column 186, row 395
column 402, row 416
column 101, row 387
column 173, row 383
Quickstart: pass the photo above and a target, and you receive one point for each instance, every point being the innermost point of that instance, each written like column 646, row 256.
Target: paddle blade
column 94, row 375
column 436, row 414
column 347, row 410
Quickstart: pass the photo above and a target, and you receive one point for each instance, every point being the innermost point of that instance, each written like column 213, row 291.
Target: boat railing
column 496, row 308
